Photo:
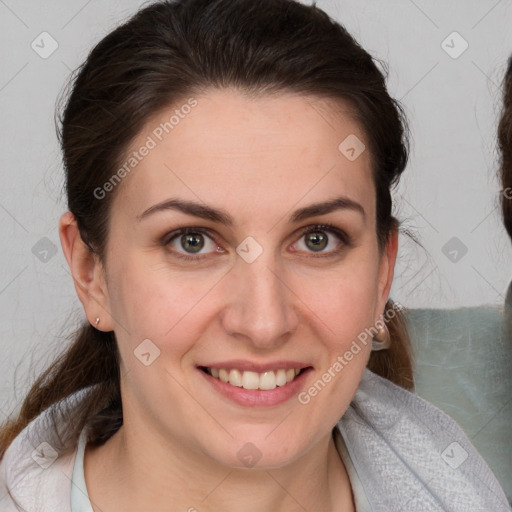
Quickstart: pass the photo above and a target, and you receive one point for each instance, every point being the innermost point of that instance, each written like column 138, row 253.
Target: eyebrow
column 222, row 217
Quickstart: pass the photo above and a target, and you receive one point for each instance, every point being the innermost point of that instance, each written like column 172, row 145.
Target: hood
column 33, row 473
column 411, row 456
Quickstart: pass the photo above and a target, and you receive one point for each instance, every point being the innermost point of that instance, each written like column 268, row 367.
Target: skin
column 259, row 159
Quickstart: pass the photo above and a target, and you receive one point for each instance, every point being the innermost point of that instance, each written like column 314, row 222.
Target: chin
column 260, row 453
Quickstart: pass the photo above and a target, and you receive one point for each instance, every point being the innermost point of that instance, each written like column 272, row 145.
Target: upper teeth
column 254, row 380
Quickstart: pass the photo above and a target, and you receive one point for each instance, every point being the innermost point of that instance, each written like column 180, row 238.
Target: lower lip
column 257, row 397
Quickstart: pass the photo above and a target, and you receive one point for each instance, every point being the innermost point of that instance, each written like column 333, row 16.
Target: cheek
column 149, row 301
column 349, row 313
column 345, row 306
column 343, row 313
column 346, row 298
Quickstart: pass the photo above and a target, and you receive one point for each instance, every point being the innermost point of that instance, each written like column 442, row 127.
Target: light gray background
column 449, row 189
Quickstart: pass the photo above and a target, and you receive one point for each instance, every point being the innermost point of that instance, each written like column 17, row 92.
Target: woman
column 228, row 170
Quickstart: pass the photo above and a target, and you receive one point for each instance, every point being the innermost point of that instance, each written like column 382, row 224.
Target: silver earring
column 97, row 321
column 381, row 340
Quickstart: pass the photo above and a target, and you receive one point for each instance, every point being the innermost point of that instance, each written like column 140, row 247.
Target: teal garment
column 80, row 501
column 463, row 365
column 358, row 492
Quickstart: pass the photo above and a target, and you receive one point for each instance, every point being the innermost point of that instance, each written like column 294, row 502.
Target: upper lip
column 251, row 366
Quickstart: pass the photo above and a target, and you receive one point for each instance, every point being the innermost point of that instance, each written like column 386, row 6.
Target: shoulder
column 37, row 468
column 406, row 450
column 26, row 485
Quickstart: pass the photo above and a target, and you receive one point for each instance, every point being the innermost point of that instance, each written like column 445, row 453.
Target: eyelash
column 345, row 239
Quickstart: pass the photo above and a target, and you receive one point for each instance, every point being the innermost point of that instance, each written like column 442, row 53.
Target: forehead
column 224, row 147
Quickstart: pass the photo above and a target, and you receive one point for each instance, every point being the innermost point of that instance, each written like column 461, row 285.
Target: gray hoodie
column 402, row 454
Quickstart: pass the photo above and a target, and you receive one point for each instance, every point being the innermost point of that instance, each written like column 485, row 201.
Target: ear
column 87, row 272
column 387, row 269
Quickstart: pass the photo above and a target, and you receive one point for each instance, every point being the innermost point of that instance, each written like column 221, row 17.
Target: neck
column 180, row 480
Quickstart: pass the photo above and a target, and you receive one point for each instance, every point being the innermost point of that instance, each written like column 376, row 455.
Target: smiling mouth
column 254, row 380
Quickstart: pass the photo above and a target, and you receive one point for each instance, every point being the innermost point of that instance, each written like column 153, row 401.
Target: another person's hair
column 505, row 149
column 170, row 51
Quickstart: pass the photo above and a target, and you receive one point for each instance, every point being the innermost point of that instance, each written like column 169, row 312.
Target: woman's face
column 246, row 290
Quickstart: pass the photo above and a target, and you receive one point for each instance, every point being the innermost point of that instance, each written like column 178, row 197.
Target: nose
column 261, row 303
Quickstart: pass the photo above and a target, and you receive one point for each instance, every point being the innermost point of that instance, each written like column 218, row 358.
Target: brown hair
column 171, row 50
column 505, row 147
